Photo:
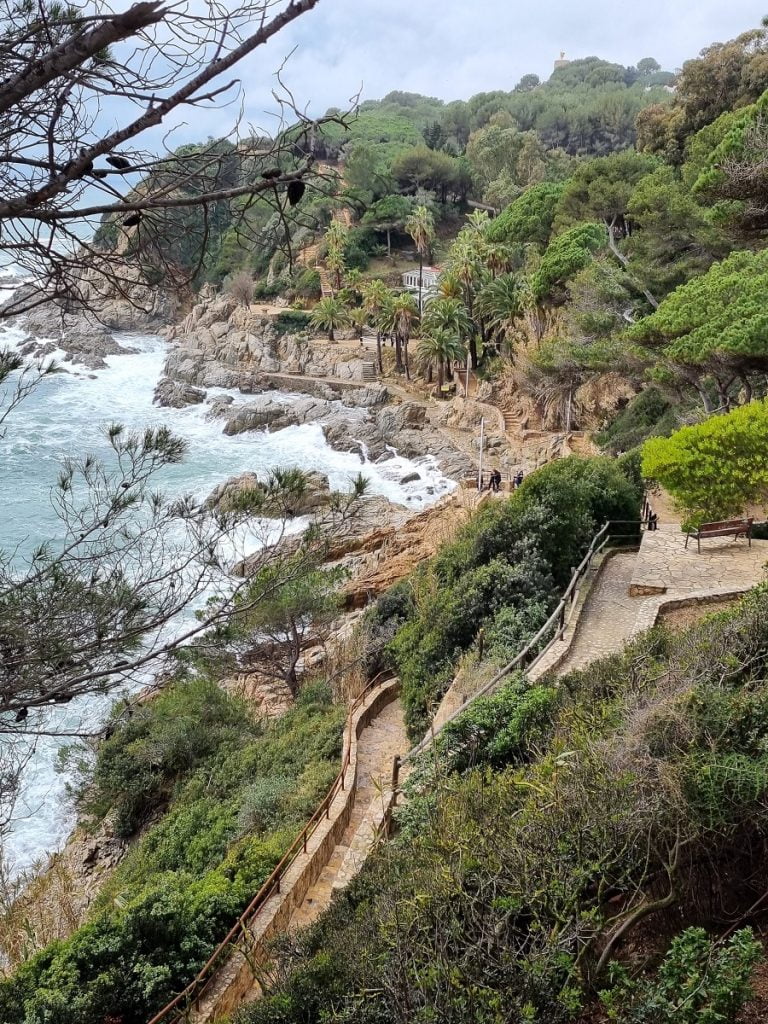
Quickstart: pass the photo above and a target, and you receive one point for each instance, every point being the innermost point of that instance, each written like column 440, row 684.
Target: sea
column 66, row 416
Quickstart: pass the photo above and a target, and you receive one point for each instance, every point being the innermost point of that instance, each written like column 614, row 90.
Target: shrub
column 517, row 554
column 716, row 468
column 291, row 321
column 649, row 414
column 698, row 982
column 241, row 287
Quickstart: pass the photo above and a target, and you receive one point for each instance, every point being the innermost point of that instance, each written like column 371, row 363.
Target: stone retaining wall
column 235, row 980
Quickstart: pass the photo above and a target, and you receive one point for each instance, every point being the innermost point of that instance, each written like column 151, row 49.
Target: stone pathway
column 665, row 566
column 607, row 618
column 380, row 742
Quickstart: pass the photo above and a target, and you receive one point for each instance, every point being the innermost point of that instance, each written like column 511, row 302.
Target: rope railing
column 189, row 998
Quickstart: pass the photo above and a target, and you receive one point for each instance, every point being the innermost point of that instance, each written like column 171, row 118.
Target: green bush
column 649, row 414
column 698, row 982
column 238, row 793
column 291, row 321
column 503, row 573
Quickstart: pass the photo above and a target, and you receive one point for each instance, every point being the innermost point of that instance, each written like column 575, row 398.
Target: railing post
column 561, row 622
column 480, row 643
column 395, row 772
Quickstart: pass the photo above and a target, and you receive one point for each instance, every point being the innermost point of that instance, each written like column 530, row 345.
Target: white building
column 429, row 278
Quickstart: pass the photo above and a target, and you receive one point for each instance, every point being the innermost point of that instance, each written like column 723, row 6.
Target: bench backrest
column 726, row 524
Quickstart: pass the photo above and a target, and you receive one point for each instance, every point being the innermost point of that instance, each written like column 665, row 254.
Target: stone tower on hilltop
column 562, row 62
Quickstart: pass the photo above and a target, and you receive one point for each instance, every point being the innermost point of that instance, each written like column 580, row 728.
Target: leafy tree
column 388, row 214
column 600, row 190
column 329, row 315
column 564, row 257
column 294, row 613
column 734, row 170
column 724, row 77
column 365, row 170
column 648, row 65
column 717, row 468
column 527, row 82
column 422, row 167
column 678, row 237
column 714, row 326
column 528, row 218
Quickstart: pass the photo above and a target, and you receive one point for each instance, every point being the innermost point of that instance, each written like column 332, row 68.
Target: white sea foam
column 65, row 417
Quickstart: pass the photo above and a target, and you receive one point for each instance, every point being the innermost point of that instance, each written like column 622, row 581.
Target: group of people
column 494, row 480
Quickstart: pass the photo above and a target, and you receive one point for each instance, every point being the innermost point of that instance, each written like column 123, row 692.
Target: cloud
column 452, row 49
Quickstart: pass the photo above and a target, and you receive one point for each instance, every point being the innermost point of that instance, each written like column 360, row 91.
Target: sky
column 455, row 48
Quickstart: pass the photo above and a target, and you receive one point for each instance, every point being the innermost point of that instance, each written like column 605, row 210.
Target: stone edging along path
column 237, row 979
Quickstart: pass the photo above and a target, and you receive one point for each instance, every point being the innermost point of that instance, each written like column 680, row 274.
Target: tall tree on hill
column 66, row 166
column 375, row 297
column 420, row 225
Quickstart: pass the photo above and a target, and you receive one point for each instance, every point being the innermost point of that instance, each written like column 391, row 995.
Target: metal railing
column 189, row 998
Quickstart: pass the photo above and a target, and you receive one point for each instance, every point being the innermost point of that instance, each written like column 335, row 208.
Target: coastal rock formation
column 313, row 495
column 175, row 395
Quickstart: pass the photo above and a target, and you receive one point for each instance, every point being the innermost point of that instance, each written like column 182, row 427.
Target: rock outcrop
column 175, row 395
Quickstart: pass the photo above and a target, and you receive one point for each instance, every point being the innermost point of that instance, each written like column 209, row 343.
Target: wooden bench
column 727, row 528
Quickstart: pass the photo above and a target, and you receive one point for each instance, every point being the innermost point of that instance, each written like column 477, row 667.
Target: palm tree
column 329, row 314
column 420, row 225
column 449, row 315
column 405, row 313
column 396, row 319
column 498, row 258
column 440, row 348
column 466, row 265
column 336, row 240
column 478, row 221
column 358, row 318
column 500, row 303
column 449, row 286
column 375, row 297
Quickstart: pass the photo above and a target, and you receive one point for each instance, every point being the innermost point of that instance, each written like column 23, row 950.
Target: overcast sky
column 455, row 48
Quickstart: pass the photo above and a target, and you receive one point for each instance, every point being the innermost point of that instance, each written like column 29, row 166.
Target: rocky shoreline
column 221, row 344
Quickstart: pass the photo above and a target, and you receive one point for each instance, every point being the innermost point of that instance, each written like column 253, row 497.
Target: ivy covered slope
column 569, row 854
column 234, row 794
column 500, row 578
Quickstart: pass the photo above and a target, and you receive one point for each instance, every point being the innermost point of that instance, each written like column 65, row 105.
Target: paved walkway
column 606, row 620
column 379, row 743
column 632, row 587
column 665, row 566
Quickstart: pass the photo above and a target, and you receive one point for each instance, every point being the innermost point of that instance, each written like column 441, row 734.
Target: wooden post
column 395, row 772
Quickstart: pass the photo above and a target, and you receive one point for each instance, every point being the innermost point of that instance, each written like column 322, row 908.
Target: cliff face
column 220, row 342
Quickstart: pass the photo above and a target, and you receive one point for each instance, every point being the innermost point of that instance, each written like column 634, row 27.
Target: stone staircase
column 384, row 739
column 369, row 372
